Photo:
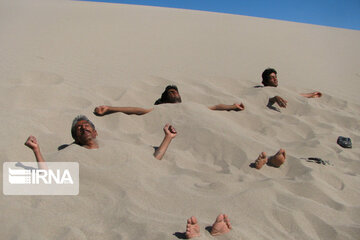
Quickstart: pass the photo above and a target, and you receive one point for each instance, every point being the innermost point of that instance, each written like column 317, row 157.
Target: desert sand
column 60, row 59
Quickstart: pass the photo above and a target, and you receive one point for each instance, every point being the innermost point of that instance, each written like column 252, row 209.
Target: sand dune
column 63, row 58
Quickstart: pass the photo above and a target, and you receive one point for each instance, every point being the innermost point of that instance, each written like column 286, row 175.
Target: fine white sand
column 63, row 58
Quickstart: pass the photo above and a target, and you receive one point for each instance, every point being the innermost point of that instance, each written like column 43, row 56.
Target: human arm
column 103, row 110
column 224, row 107
column 32, row 143
column 279, row 100
column 311, row 95
column 170, row 133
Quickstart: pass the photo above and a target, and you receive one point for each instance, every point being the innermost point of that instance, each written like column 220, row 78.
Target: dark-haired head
column 269, row 78
column 170, row 95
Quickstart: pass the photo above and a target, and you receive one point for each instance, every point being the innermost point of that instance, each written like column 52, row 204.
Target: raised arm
column 32, row 143
column 279, row 100
column 103, row 110
column 170, row 133
column 224, row 107
column 311, row 95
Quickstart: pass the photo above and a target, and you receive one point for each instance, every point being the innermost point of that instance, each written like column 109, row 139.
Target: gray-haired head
column 75, row 121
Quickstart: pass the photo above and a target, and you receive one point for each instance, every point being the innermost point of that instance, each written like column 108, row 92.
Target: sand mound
column 63, row 58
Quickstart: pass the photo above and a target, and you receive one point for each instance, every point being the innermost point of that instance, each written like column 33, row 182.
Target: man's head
column 170, row 95
column 83, row 130
column 269, row 78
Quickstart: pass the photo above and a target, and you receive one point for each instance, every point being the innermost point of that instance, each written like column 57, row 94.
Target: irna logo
column 31, row 178
column 39, row 176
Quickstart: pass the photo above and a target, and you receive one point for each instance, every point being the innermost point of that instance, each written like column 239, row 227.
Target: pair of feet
column 277, row 160
column 221, row 225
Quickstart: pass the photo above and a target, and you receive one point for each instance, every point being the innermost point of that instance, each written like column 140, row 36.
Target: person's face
column 173, row 96
column 84, row 132
column 272, row 81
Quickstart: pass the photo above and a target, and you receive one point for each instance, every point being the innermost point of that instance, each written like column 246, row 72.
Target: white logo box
column 55, row 178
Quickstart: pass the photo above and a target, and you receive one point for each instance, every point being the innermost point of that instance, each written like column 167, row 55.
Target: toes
column 278, row 153
column 282, row 151
column 228, row 224
column 259, row 163
column 262, row 159
column 261, row 156
column 226, row 218
column 220, row 218
column 227, row 221
column 193, row 220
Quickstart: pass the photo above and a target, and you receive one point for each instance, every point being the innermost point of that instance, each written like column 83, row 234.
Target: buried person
column 170, row 95
column 84, row 134
column 269, row 79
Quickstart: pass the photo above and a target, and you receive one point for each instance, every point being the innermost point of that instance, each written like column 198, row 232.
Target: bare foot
column 192, row 228
column 261, row 160
column 221, row 225
column 278, row 159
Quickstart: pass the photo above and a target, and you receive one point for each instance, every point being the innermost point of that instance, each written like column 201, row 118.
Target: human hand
column 101, row 110
column 280, row 101
column 170, row 131
column 32, row 143
column 312, row 95
column 238, row 106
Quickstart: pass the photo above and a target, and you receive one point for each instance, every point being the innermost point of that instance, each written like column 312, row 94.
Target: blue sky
column 334, row 13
